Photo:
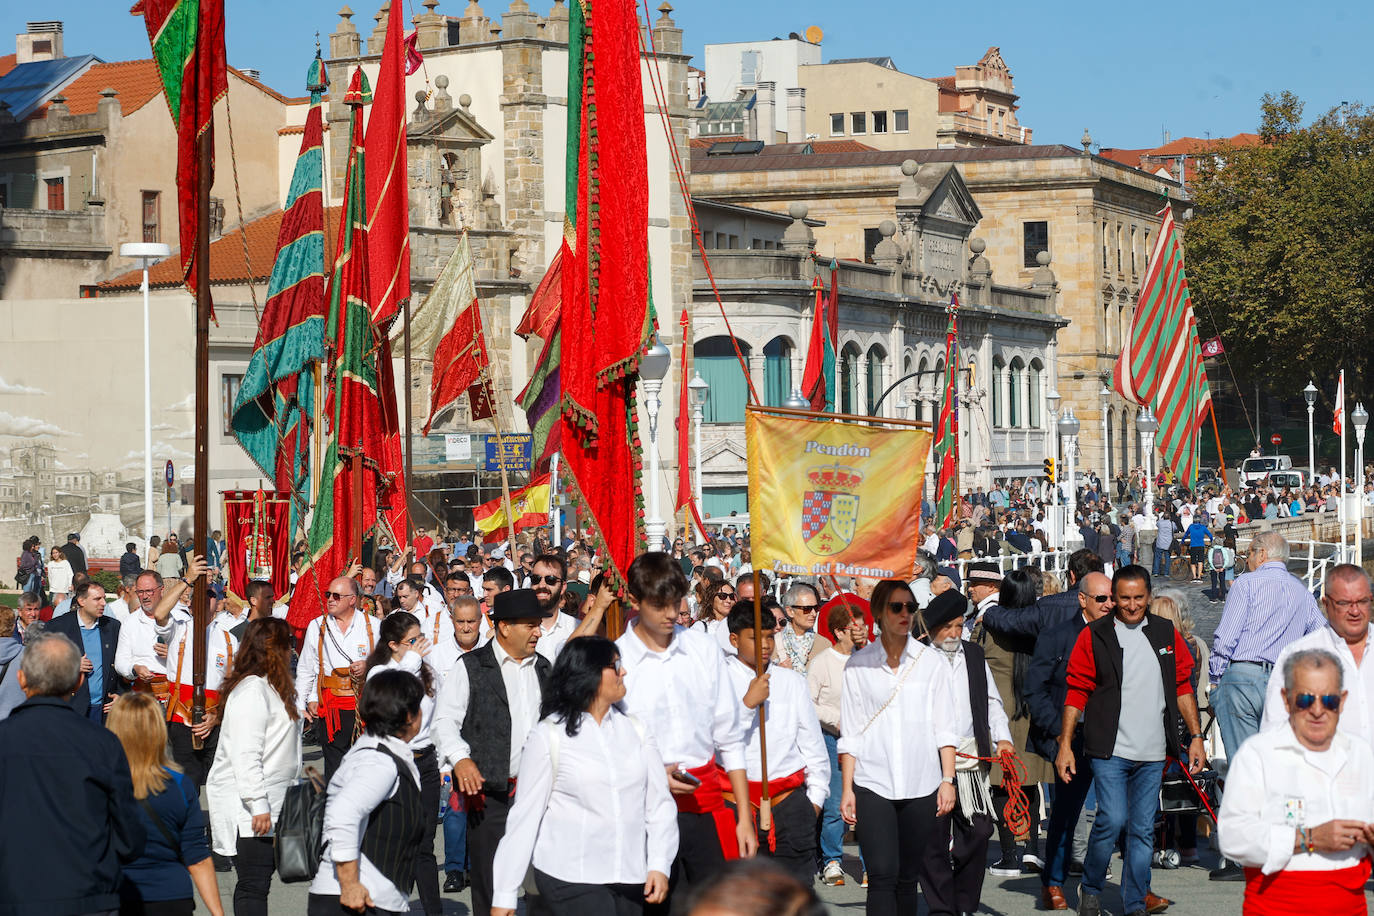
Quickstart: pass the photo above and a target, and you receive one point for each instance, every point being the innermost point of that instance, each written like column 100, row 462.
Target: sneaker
column 863, row 882
column 832, row 874
column 1188, row 859
column 1229, row 871
column 1090, row 905
column 1032, row 864
column 1009, row 866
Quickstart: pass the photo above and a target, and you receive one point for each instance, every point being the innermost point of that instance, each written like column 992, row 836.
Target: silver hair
column 51, row 665
column 129, row 581
column 1311, row 658
column 1274, row 545
column 925, row 565
column 797, row 590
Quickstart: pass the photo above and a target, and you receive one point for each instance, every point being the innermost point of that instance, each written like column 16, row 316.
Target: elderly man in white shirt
column 1299, row 801
column 1346, row 601
column 141, row 656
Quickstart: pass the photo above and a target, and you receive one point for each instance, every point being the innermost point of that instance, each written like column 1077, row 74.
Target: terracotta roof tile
column 227, row 266
column 137, row 83
column 8, row 62
column 1190, row 145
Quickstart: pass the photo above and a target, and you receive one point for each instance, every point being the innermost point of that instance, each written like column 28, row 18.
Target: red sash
column 330, row 705
column 779, row 789
column 707, row 799
column 1331, row 893
column 180, row 709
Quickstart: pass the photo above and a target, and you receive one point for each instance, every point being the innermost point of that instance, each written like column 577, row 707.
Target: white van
column 1253, row 470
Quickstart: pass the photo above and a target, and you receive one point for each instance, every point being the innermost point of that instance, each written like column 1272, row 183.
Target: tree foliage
column 1281, row 250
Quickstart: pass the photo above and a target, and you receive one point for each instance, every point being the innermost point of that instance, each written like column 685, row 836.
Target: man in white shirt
column 549, row 579
column 142, row 653
column 435, row 625
column 332, row 663
column 1346, row 601
column 482, row 716
column 1299, row 801
column 981, row 724
column 118, row 607
column 675, row 678
column 798, row 764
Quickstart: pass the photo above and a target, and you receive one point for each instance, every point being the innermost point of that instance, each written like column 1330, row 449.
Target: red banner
column 257, row 539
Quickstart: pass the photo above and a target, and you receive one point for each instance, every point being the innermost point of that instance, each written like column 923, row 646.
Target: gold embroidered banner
column 834, row 498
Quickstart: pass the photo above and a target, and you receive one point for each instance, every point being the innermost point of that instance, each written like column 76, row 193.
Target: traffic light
column 1049, row 470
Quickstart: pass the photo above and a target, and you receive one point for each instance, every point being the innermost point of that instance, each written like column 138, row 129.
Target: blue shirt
column 90, row 643
column 1198, row 535
column 1265, row 610
column 160, row 873
column 64, row 606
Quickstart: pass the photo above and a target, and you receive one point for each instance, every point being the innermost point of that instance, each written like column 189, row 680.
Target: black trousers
column 794, row 837
column 335, row 748
column 329, row 905
column 255, row 862
column 893, row 835
column 485, row 829
column 699, row 858
column 194, row 763
column 568, row 899
column 952, row 878
column 426, row 865
column 133, row 906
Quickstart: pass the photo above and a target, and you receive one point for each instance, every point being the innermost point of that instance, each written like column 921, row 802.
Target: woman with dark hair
column 1008, row 657
column 402, row 646
column 258, row 756
column 897, row 738
column 717, row 601
column 373, row 816
column 593, row 814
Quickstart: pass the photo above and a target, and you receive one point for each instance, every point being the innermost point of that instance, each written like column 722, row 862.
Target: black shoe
column 1009, row 866
column 1229, row 871
column 455, row 882
column 1076, row 869
column 222, row 863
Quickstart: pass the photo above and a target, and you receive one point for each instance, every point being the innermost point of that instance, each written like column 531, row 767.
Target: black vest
column 975, row 662
column 486, row 727
column 1103, row 712
column 395, row 829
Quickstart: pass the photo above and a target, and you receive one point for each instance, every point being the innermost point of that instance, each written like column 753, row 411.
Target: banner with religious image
column 831, row 498
column 257, row 540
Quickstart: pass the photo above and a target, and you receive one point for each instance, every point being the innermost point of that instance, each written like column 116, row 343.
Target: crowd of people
column 473, row 696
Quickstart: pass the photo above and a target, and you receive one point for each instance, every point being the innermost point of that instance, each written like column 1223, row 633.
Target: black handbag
column 300, row 830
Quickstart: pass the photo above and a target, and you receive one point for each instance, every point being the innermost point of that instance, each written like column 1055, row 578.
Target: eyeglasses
column 1354, row 603
column 1331, row 701
column 801, row 607
column 1101, row 599
column 908, row 607
column 725, row 596
column 547, row 580
column 617, row 667
column 338, row 596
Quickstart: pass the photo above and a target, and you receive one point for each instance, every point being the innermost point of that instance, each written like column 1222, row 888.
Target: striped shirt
column 1265, row 611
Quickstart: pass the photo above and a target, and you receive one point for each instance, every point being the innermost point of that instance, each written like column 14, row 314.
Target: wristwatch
column 1195, row 738
column 948, row 779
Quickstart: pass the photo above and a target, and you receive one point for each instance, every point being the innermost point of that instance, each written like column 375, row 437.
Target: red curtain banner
column 240, row 530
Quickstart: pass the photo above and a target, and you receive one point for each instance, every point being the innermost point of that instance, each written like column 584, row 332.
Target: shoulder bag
column 300, row 829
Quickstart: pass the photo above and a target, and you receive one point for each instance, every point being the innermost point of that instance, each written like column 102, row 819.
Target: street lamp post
column 1360, row 417
column 1052, row 400
column 698, row 390
column 652, row 369
column 1310, row 393
column 1106, row 394
column 795, row 401
column 1068, row 432
column 147, row 252
column 1147, row 425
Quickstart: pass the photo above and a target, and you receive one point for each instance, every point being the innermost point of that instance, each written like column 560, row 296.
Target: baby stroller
column 1183, row 798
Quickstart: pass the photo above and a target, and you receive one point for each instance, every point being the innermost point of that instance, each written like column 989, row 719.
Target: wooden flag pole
column 497, row 420
column 200, row 600
column 766, row 801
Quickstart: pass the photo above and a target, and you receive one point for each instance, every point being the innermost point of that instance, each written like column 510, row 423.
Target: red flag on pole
column 1212, row 348
column 388, row 204
column 188, row 46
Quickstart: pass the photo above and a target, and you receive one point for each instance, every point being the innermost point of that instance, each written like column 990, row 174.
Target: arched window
column 777, row 371
column 926, row 383
column 716, row 361
column 1035, row 394
column 999, row 392
column 849, row 379
column 877, row 377
column 1016, row 408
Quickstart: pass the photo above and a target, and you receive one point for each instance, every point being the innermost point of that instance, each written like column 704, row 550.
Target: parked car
column 1253, row 470
column 1294, row 479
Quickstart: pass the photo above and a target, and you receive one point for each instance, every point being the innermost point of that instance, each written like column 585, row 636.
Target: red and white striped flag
column 1161, row 363
column 1338, row 420
column 1211, row 348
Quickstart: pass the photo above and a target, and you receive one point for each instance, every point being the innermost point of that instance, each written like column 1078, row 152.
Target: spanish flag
column 529, row 504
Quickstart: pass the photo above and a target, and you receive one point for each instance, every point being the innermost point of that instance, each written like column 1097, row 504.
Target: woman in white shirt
column 897, row 739
column 258, row 756
column 1300, row 800
column 402, row 646
column 59, row 576
column 593, row 812
column 373, row 818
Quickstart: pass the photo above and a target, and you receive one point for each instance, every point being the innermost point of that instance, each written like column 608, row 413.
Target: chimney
column 41, row 41
column 796, row 115
column 766, row 113
column 252, row 73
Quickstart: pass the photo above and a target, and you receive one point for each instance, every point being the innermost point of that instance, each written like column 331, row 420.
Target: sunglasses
column 801, row 607
column 908, row 607
column 338, row 596
column 1332, row 701
column 726, row 596
column 547, row 580
column 1101, row 599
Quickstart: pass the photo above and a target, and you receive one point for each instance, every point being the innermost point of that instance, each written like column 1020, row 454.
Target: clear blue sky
column 1125, row 71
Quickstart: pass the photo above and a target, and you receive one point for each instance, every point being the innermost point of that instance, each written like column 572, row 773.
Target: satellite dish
column 814, row 34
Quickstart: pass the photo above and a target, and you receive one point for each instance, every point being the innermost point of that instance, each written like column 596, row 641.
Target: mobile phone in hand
column 686, row 777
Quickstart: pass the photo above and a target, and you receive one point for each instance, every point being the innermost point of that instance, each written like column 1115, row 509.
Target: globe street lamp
column 1360, row 417
column 795, row 401
column 1068, row 433
column 1310, row 393
column 146, row 252
column 652, row 370
column 1147, row 425
column 697, row 391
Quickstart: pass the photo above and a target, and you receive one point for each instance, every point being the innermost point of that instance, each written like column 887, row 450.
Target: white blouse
column 410, row 663
column 258, row 756
column 605, row 817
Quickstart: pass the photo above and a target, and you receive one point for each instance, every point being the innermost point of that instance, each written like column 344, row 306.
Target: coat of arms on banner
column 830, row 509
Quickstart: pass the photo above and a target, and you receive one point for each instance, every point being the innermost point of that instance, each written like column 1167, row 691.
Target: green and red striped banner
column 1161, row 362
column 945, row 447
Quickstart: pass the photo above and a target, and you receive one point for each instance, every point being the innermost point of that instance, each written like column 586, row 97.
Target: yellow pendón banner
column 834, row 498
